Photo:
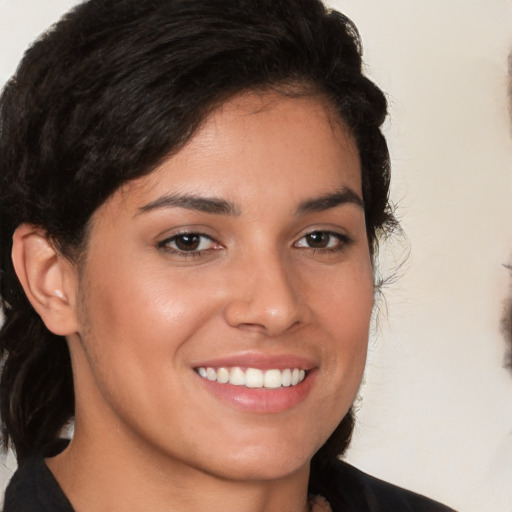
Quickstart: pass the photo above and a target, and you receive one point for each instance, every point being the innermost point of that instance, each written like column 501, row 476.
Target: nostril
column 270, row 322
column 248, row 327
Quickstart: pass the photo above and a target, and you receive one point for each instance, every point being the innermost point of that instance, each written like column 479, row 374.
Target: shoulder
column 34, row 489
column 347, row 488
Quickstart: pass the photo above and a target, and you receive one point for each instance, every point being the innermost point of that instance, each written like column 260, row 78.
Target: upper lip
column 261, row 361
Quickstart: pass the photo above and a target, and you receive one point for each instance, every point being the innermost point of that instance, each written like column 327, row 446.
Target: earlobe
column 48, row 278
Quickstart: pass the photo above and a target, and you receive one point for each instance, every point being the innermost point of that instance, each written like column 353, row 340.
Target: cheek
column 345, row 300
column 135, row 330
column 139, row 317
column 345, row 311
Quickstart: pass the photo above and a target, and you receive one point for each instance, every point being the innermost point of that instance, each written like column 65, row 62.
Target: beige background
column 436, row 408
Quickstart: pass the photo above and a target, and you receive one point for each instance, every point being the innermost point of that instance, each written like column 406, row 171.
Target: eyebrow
column 219, row 206
column 192, row 202
column 327, row 201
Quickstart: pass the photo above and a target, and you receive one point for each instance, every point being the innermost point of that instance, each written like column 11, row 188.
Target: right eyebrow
column 325, row 202
column 192, row 202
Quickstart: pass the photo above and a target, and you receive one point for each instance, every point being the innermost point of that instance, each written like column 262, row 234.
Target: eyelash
column 342, row 242
column 194, row 253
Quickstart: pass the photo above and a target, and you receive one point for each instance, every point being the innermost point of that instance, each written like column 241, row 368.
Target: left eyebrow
column 327, row 201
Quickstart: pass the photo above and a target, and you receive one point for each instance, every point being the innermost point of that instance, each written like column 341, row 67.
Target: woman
column 192, row 195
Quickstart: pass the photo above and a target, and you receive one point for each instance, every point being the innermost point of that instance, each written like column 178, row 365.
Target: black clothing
column 34, row 489
column 347, row 489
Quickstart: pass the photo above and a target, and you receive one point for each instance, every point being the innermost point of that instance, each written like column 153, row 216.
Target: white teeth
column 222, row 375
column 254, row 377
column 272, row 379
column 237, row 377
column 286, row 378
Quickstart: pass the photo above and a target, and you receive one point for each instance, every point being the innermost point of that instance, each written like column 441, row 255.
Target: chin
column 264, row 469
column 266, row 461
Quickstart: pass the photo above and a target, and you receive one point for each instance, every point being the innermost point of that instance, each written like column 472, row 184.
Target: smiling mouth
column 254, row 377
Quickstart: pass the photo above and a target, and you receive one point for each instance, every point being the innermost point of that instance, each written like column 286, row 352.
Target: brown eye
column 188, row 242
column 318, row 239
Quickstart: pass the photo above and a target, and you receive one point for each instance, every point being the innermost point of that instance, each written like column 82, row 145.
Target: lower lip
column 261, row 400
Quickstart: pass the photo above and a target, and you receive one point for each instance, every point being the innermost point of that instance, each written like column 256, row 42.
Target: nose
column 266, row 297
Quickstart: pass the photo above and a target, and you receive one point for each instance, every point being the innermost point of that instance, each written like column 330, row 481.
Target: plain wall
column 435, row 412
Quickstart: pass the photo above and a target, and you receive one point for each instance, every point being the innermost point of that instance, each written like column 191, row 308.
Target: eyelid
column 343, row 240
column 165, row 243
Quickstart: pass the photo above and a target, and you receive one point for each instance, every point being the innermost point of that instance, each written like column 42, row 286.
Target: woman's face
column 242, row 258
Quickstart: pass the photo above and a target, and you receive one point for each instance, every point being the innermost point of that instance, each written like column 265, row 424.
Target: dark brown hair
column 109, row 92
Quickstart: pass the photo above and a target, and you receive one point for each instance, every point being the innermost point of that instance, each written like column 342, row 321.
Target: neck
column 132, row 482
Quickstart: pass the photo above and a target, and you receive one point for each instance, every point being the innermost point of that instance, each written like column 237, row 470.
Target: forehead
column 260, row 145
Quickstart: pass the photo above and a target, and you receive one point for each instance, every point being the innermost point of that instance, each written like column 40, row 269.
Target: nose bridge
column 267, row 295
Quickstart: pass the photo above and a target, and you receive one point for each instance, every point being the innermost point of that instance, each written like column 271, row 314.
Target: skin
column 149, row 431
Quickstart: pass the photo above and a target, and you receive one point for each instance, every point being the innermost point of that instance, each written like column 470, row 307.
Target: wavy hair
column 105, row 95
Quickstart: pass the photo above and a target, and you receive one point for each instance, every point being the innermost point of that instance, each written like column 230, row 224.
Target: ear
column 48, row 278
